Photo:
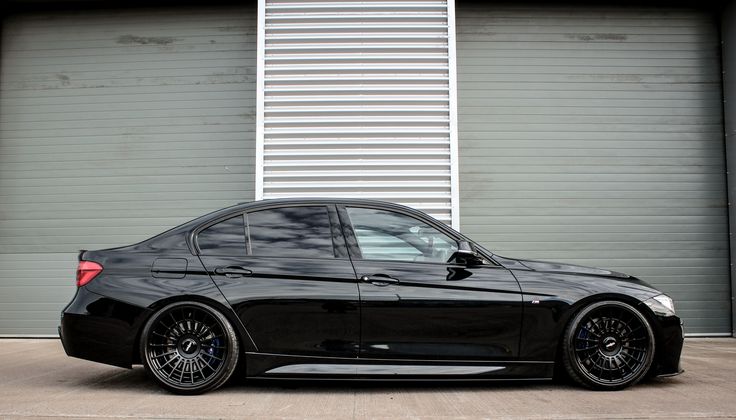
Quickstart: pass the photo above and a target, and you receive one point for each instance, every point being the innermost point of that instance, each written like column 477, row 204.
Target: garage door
column 594, row 136
column 114, row 126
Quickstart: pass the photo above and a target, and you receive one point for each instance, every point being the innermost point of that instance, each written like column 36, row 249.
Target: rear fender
column 127, row 276
column 246, row 342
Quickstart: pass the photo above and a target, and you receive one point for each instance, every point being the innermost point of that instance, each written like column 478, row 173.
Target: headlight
column 661, row 305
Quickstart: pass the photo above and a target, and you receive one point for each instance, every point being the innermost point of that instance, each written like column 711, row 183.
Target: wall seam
column 454, row 141
column 260, row 84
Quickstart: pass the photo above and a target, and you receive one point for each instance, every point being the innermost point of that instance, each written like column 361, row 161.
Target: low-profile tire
column 189, row 348
column 608, row 345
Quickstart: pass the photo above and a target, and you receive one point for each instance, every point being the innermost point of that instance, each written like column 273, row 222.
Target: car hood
column 571, row 269
column 555, row 267
column 554, row 273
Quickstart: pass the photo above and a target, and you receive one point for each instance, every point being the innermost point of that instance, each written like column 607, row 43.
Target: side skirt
column 274, row 366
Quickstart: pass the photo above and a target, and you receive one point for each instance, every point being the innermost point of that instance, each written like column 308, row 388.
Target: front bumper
column 669, row 347
column 100, row 329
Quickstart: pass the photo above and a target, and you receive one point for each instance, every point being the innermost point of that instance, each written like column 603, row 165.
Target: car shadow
column 352, row 386
column 137, row 380
column 115, row 379
column 346, row 387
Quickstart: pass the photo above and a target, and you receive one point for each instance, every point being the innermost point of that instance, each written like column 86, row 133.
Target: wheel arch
column 576, row 307
column 246, row 343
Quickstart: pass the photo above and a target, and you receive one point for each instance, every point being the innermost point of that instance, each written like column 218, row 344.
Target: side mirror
column 466, row 255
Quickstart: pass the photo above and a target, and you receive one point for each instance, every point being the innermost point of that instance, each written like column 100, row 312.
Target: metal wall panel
column 728, row 49
column 115, row 126
column 356, row 101
column 594, row 135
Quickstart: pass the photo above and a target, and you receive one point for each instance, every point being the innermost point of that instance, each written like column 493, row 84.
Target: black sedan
column 357, row 289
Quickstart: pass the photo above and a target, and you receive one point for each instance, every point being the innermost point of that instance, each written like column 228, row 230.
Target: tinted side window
column 379, row 245
column 226, row 238
column 387, row 235
column 297, row 232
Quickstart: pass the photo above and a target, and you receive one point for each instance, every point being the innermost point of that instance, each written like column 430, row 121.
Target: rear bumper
column 100, row 329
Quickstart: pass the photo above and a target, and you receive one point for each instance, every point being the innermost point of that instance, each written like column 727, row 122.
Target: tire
column 189, row 348
column 608, row 346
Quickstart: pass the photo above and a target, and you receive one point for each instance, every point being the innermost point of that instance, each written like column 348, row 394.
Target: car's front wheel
column 608, row 345
column 189, row 348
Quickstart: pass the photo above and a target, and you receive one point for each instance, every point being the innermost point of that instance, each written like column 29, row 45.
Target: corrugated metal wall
column 115, row 126
column 594, row 135
column 356, row 101
column 728, row 59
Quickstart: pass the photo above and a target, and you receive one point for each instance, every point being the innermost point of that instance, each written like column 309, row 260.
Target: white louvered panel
column 356, row 102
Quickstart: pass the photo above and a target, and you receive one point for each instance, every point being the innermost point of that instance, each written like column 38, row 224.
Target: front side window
column 226, row 238
column 296, row 232
column 387, row 235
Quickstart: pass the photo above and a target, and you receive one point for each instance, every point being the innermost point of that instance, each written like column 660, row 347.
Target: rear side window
column 297, row 232
column 226, row 238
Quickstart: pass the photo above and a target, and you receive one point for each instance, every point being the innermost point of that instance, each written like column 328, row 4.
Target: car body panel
column 104, row 330
column 551, row 298
column 128, row 280
column 439, row 311
column 294, row 306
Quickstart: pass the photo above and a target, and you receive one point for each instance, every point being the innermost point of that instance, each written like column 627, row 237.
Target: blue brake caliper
column 582, row 335
column 213, row 352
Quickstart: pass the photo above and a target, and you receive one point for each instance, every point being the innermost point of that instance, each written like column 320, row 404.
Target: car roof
column 277, row 202
column 328, row 200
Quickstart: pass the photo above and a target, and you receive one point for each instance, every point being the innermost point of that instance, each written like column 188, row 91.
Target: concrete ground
column 37, row 380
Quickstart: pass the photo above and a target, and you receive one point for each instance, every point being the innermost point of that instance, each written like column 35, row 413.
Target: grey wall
column 728, row 38
column 594, row 135
column 115, row 125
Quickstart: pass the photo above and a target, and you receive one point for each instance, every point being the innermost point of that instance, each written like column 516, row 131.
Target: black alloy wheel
column 189, row 348
column 608, row 346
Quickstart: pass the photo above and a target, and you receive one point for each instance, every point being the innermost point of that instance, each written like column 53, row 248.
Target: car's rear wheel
column 608, row 345
column 189, row 348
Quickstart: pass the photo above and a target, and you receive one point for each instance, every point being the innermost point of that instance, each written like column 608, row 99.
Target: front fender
column 551, row 299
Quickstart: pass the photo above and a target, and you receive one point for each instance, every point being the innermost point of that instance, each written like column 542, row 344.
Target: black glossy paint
column 439, row 311
column 557, row 295
column 262, row 365
column 291, row 311
column 292, row 305
column 100, row 329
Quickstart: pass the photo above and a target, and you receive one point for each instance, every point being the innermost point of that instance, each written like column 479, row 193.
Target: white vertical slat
column 454, row 159
column 356, row 102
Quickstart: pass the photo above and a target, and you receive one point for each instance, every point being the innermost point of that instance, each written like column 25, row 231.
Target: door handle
column 233, row 271
column 379, row 280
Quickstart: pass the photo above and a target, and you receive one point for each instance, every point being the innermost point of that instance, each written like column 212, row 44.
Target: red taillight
column 86, row 271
